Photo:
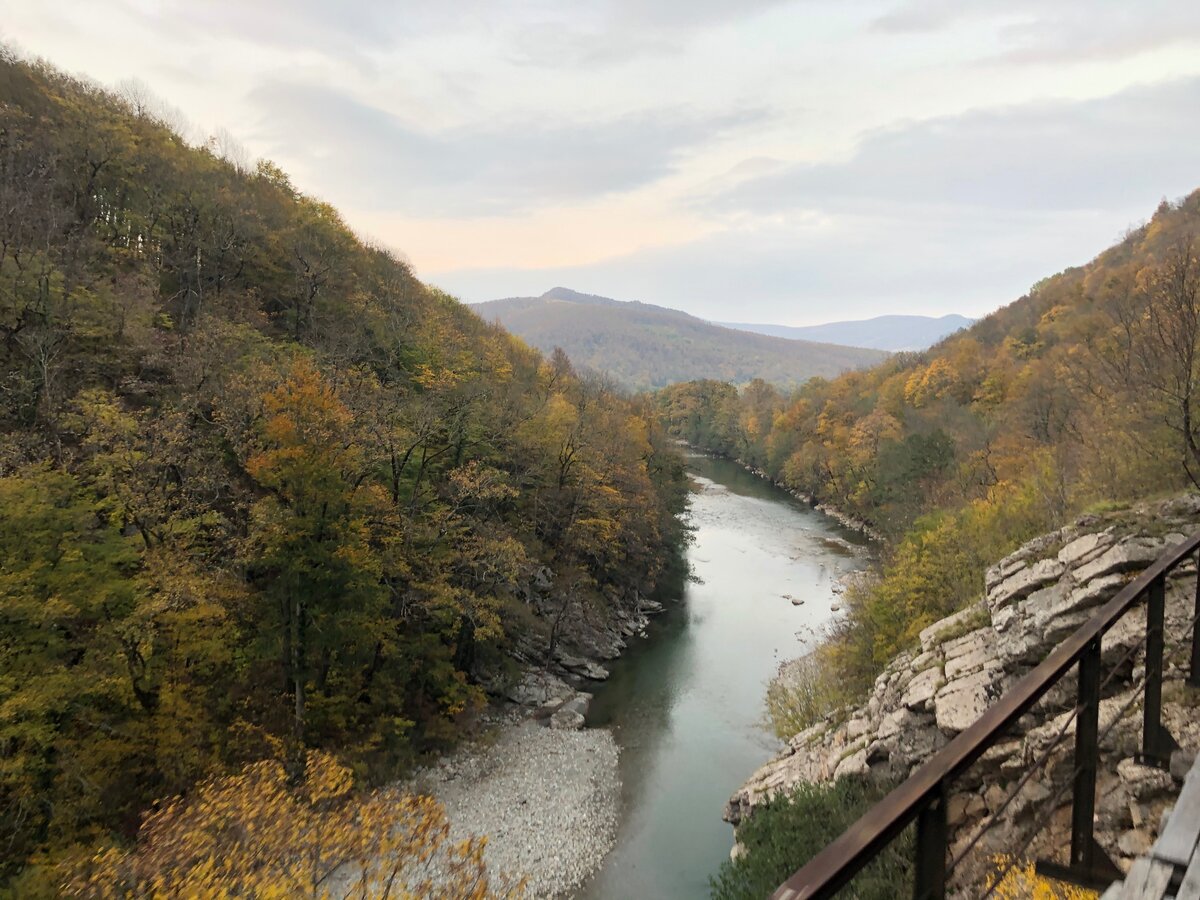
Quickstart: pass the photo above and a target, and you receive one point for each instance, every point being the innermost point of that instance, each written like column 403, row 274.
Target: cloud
column 347, row 31
column 560, row 45
column 687, row 13
column 374, row 160
column 591, row 32
column 1032, row 31
column 1111, row 153
column 951, row 214
column 805, row 271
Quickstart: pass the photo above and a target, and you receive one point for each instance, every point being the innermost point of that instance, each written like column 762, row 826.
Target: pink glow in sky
column 791, row 162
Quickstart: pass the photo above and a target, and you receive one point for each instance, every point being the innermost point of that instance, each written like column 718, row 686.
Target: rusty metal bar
column 1194, row 670
column 1157, row 744
column 1152, row 705
column 929, row 880
column 1089, row 864
column 833, row 867
column 1087, row 726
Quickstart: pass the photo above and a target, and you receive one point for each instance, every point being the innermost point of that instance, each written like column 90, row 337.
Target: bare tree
column 223, row 144
column 1168, row 354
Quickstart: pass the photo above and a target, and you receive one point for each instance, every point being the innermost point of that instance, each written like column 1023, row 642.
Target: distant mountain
column 644, row 346
column 882, row 333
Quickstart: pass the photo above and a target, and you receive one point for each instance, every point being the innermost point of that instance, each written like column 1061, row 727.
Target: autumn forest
column 263, row 494
column 279, row 521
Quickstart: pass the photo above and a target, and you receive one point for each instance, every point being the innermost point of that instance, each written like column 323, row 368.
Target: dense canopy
column 259, row 486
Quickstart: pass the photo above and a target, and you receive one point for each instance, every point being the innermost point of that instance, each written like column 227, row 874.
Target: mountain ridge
column 888, row 332
column 644, row 346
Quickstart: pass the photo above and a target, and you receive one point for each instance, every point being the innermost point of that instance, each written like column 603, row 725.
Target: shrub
column 256, row 834
column 789, row 830
column 805, row 691
column 936, row 570
column 1022, row 882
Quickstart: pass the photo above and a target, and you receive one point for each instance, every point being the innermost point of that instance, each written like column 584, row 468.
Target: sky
column 786, row 161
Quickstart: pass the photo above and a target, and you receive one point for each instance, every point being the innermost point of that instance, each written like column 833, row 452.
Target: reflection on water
column 686, row 706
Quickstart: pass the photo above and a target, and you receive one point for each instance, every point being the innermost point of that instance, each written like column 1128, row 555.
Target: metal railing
column 923, row 797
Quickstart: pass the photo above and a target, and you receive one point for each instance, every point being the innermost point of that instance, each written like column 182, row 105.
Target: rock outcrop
column 547, row 686
column 551, row 699
column 1033, row 599
column 587, row 637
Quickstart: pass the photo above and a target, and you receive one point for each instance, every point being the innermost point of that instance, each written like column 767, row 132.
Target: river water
column 687, row 705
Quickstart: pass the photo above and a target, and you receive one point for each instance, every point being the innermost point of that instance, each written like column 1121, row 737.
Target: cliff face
column 1034, row 598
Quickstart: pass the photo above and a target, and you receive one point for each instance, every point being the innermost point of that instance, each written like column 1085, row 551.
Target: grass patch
column 972, row 621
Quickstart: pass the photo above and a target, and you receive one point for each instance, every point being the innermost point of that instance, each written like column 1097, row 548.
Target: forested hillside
column 1083, row 392
column 643, row 346
column 259, row 487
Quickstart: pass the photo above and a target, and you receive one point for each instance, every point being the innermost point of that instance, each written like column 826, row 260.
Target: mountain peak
column 567, row 295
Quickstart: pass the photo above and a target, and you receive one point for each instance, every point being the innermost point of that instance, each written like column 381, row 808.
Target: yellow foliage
column 931, row 383
column 1022, row 882
column 254, row 834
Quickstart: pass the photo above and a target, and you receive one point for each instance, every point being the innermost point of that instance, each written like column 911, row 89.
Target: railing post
column 1194, row 670
column 929, row 880
column 1089, row 864
column 1157, row 744
column 1087, row 727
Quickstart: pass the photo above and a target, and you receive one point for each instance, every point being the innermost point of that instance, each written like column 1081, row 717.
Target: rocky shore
column 842, row 518
column 845, row 519
column 547, row 799
column 544, row 790
column 1034, row 598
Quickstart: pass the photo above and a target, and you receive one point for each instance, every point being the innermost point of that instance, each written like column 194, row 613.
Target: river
column 686, row 705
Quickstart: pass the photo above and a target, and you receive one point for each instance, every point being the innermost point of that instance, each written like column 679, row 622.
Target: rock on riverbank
column 1033, row 599
column 547, row 799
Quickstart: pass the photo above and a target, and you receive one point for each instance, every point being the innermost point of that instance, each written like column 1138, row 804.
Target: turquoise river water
column 686, row 705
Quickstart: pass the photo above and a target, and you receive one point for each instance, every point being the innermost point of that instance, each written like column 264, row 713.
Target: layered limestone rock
column 1033, row 599
column 576, row 656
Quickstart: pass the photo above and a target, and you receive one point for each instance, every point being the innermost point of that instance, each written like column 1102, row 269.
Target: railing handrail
column 833, row 867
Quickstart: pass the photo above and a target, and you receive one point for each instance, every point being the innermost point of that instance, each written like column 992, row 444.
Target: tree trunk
column 299, row 757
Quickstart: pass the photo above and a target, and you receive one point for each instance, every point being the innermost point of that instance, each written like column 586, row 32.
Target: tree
column 256, row 834
column 1171, row 346
column 112, row 670
column 311, row 543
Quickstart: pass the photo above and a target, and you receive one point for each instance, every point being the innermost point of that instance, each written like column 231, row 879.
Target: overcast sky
column 789, row 161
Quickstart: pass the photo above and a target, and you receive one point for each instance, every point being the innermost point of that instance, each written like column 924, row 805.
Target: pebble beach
column 547, row 799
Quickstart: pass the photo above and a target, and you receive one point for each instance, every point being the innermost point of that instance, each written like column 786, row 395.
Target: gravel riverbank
column 547, row 800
